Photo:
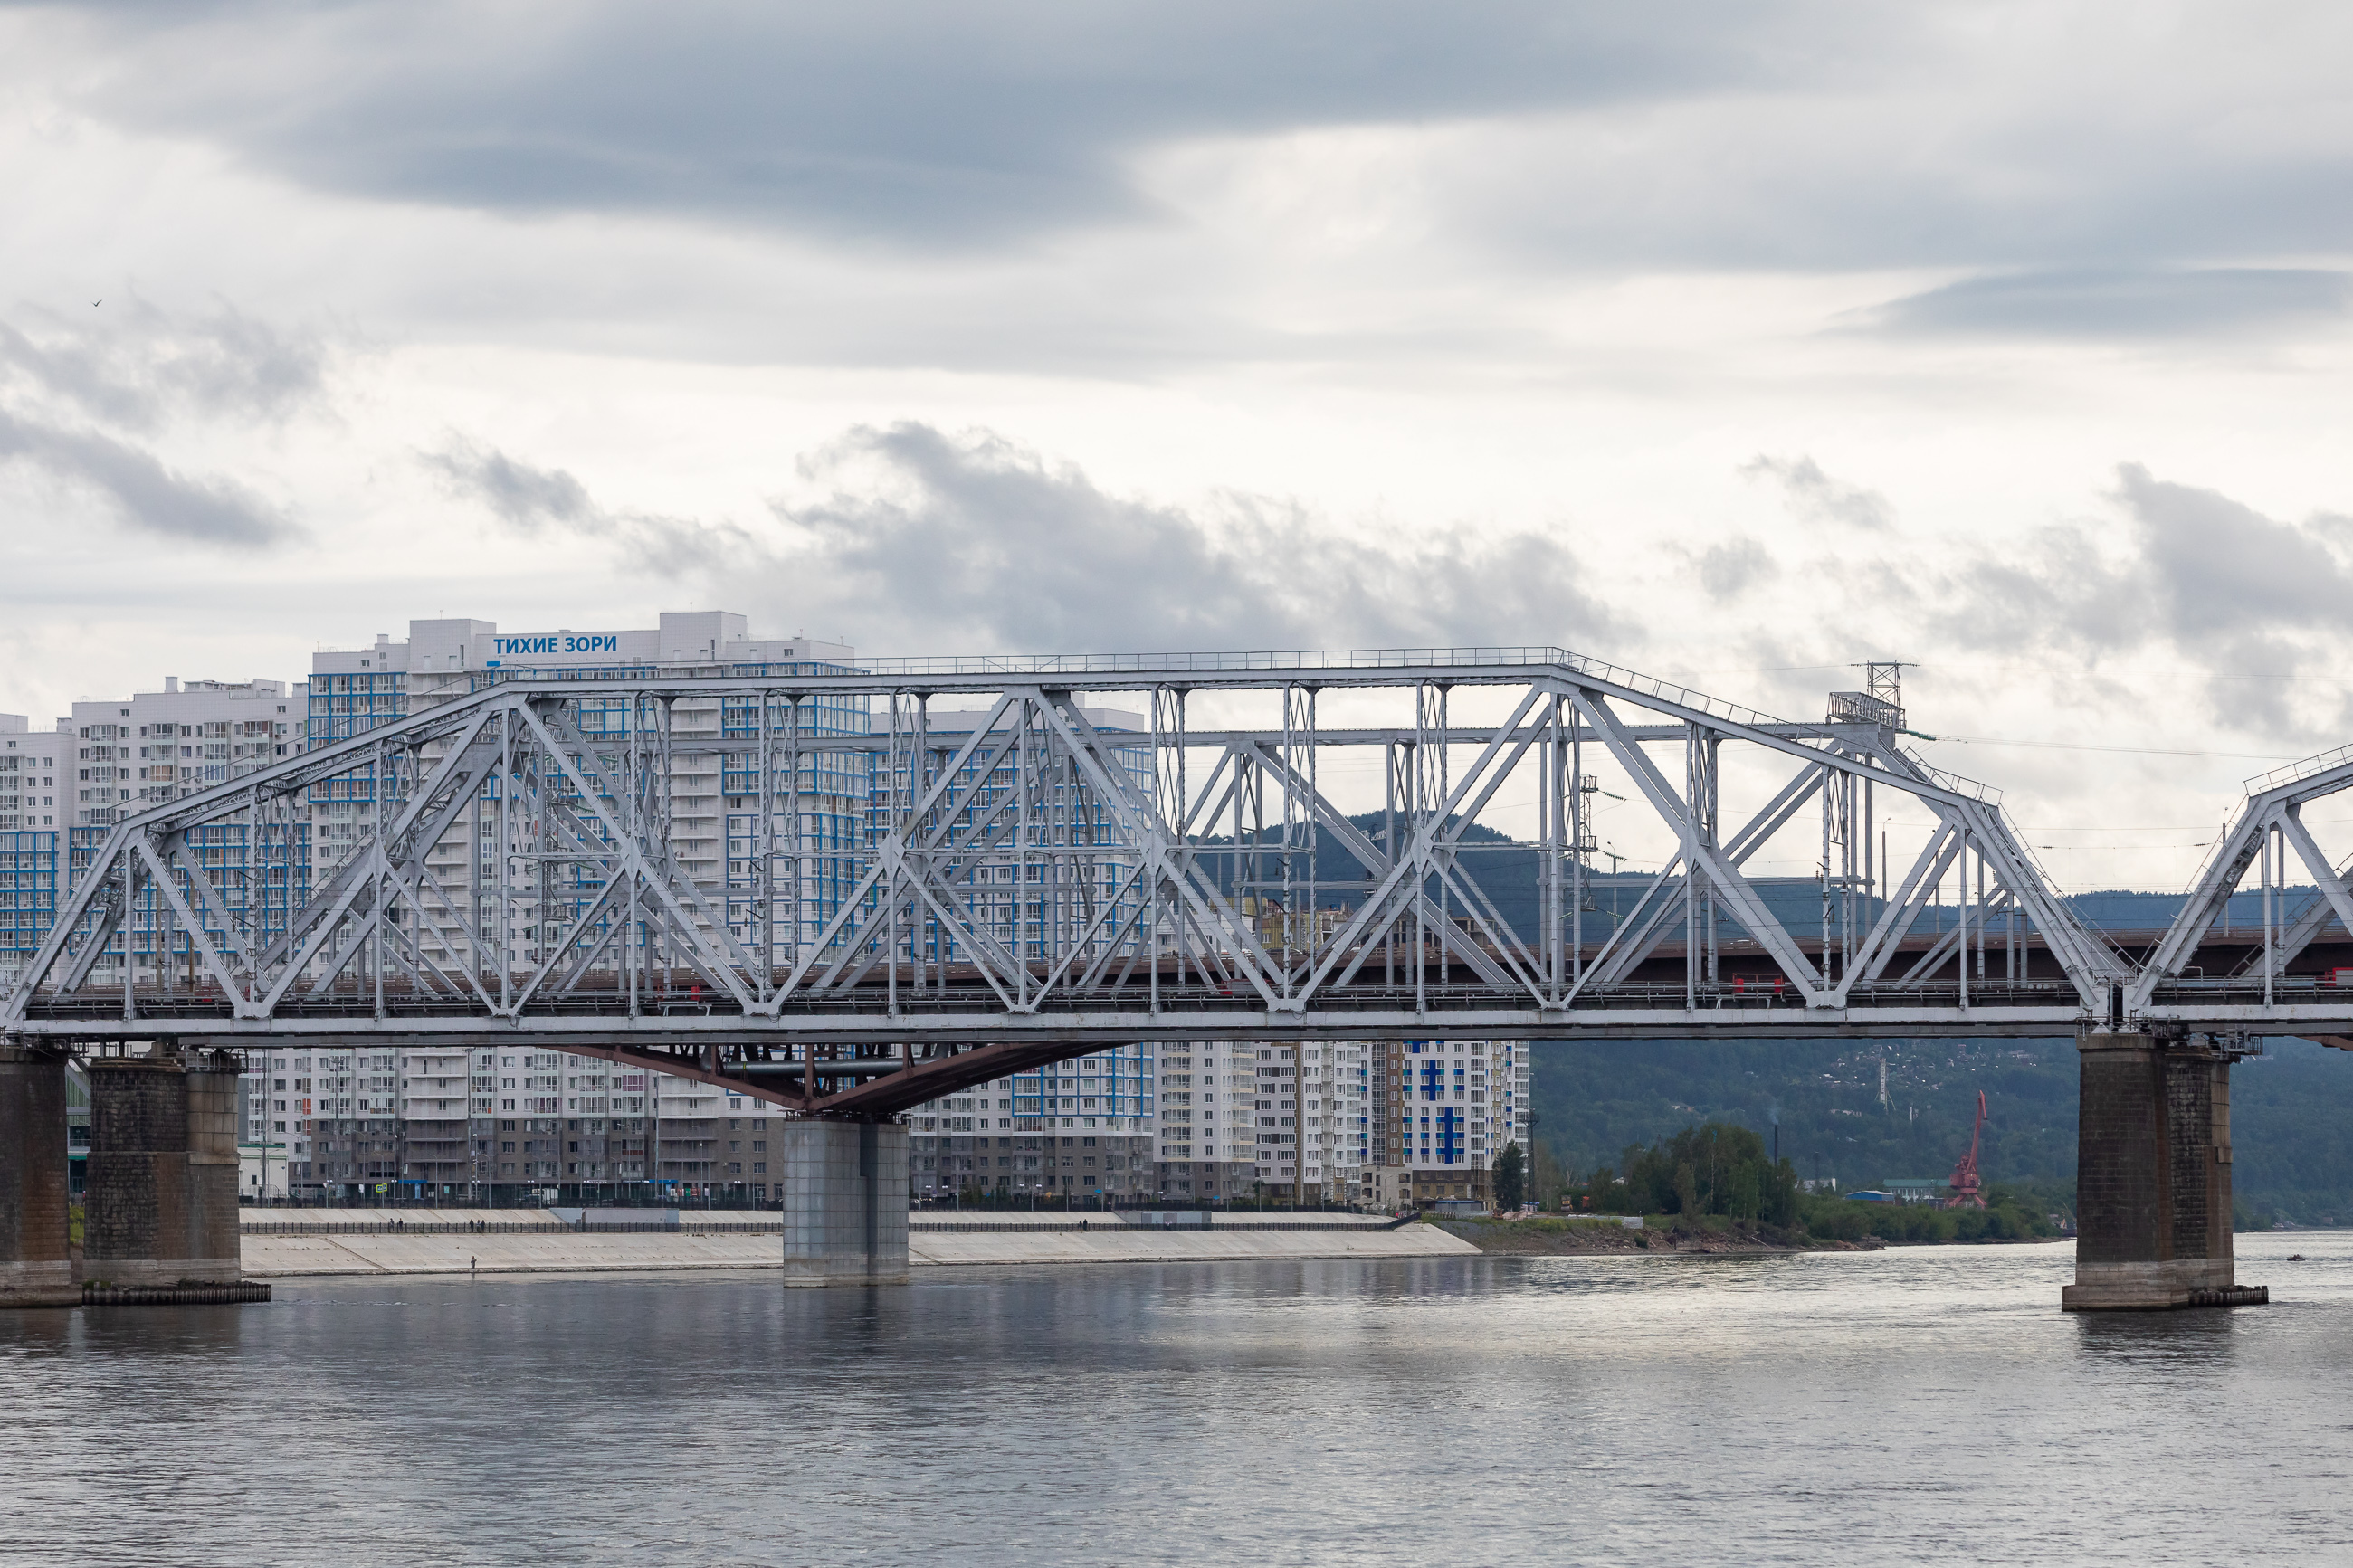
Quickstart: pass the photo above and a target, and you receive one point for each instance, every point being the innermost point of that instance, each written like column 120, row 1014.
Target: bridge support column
column 36, row 1268
column 845, row 1202
column 160, row 1210
column 2153, row 1179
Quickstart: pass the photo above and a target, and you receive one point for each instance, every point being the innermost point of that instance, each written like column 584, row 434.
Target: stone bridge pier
column 36, row 1268
column 845, row 1202
column 2153, row 1178
column 159, row 1210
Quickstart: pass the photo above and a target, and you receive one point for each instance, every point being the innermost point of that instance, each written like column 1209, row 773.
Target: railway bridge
column 1050, row 855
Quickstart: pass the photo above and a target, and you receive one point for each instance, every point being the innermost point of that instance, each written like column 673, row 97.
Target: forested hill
column 1506, row 870
column 2292, row 1110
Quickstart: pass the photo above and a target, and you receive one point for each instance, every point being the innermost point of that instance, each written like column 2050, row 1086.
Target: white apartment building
column 713, row 822
column 61, row 791
column 1238, row 1118
column 32, row 761
column 37, row 791
column 157, row 746
column 1450, row 1108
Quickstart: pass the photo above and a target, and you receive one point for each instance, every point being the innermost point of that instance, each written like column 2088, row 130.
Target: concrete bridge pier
column 2153, row 1178
column 845, row 1202
column 160, row 1206
column 36, row 1268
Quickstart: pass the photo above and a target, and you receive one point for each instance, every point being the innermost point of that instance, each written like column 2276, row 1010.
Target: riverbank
column 423, row 1242
column 1551, row 1236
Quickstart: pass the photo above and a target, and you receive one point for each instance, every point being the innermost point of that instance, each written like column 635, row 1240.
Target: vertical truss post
column 1692, row 792
column 633, row 934
column 1024, row 762
column 1169, row 806
column 125, row 929
column 1396, row 767
column 502, row 917
column 1433, row 725
column 1961, row 915
column 1551, row 760
column 381, row 893
column 1711, row 835
column 795, row 871
column 2271, row 916
column 1584, row 842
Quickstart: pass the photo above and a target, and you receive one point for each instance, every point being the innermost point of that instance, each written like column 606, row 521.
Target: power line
column 2127, row 751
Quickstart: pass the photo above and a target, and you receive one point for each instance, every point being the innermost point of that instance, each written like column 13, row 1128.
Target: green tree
column 1743, row 1195
column 1511, row 1176
column 1686, row 1189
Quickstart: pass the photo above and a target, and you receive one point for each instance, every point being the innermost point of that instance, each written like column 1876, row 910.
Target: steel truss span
column 633, row 868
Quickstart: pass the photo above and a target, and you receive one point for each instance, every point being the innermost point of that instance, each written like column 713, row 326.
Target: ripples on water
column 1917, row 1404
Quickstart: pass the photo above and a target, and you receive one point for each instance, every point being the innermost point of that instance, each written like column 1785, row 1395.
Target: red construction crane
column 1966, row 1194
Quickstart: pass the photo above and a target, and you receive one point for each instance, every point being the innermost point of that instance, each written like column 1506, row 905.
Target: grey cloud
column 1813, row 495
column 925, row 542
column 528, row 498
column 2121, row 302
column 977, row 542
column 132, row 365
column 1732, row 568
column 2205, row 587
column 2219, row 565
column 141, row 488
column 534, row 500
column 2058, row 589
column 2100, row 185
column 2243, row 592
column 930, row 123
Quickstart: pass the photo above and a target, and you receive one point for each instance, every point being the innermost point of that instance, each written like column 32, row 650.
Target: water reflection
column 1921, row 1405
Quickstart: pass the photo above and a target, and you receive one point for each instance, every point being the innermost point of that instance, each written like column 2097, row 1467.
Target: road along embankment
column 530, row 1242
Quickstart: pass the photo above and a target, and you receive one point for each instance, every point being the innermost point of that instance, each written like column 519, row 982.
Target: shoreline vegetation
column 1700, row 1234
column 1715, row 1188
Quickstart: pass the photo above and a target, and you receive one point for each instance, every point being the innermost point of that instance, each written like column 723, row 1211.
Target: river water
column 1922, row 1404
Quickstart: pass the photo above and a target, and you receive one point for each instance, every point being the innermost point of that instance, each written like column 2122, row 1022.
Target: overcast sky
column 1735, row 344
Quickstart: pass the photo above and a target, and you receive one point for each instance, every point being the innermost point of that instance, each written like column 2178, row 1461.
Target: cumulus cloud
column 2181, row 594
column 929, row 542
column 978, row 542
column 133, row 365
column 138, row 489
column 533, row 500
column 1814, row 496
column 79, row 400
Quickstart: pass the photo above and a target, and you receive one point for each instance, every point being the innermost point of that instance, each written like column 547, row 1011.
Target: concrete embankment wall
column 525, row 1242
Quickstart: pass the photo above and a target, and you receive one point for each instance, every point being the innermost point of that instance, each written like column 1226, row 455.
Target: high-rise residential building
column 1252, row 1119
column 159, row 746
column 776, row 855
column 1079, row 1128
column 1454, row 1106
column 36, row 774
column 780, row 877
column 446, row 1120
column 1197, row 1121
column 111, row 759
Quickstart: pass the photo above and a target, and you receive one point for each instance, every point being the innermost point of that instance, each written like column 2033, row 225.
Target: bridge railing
column 2304, row 768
